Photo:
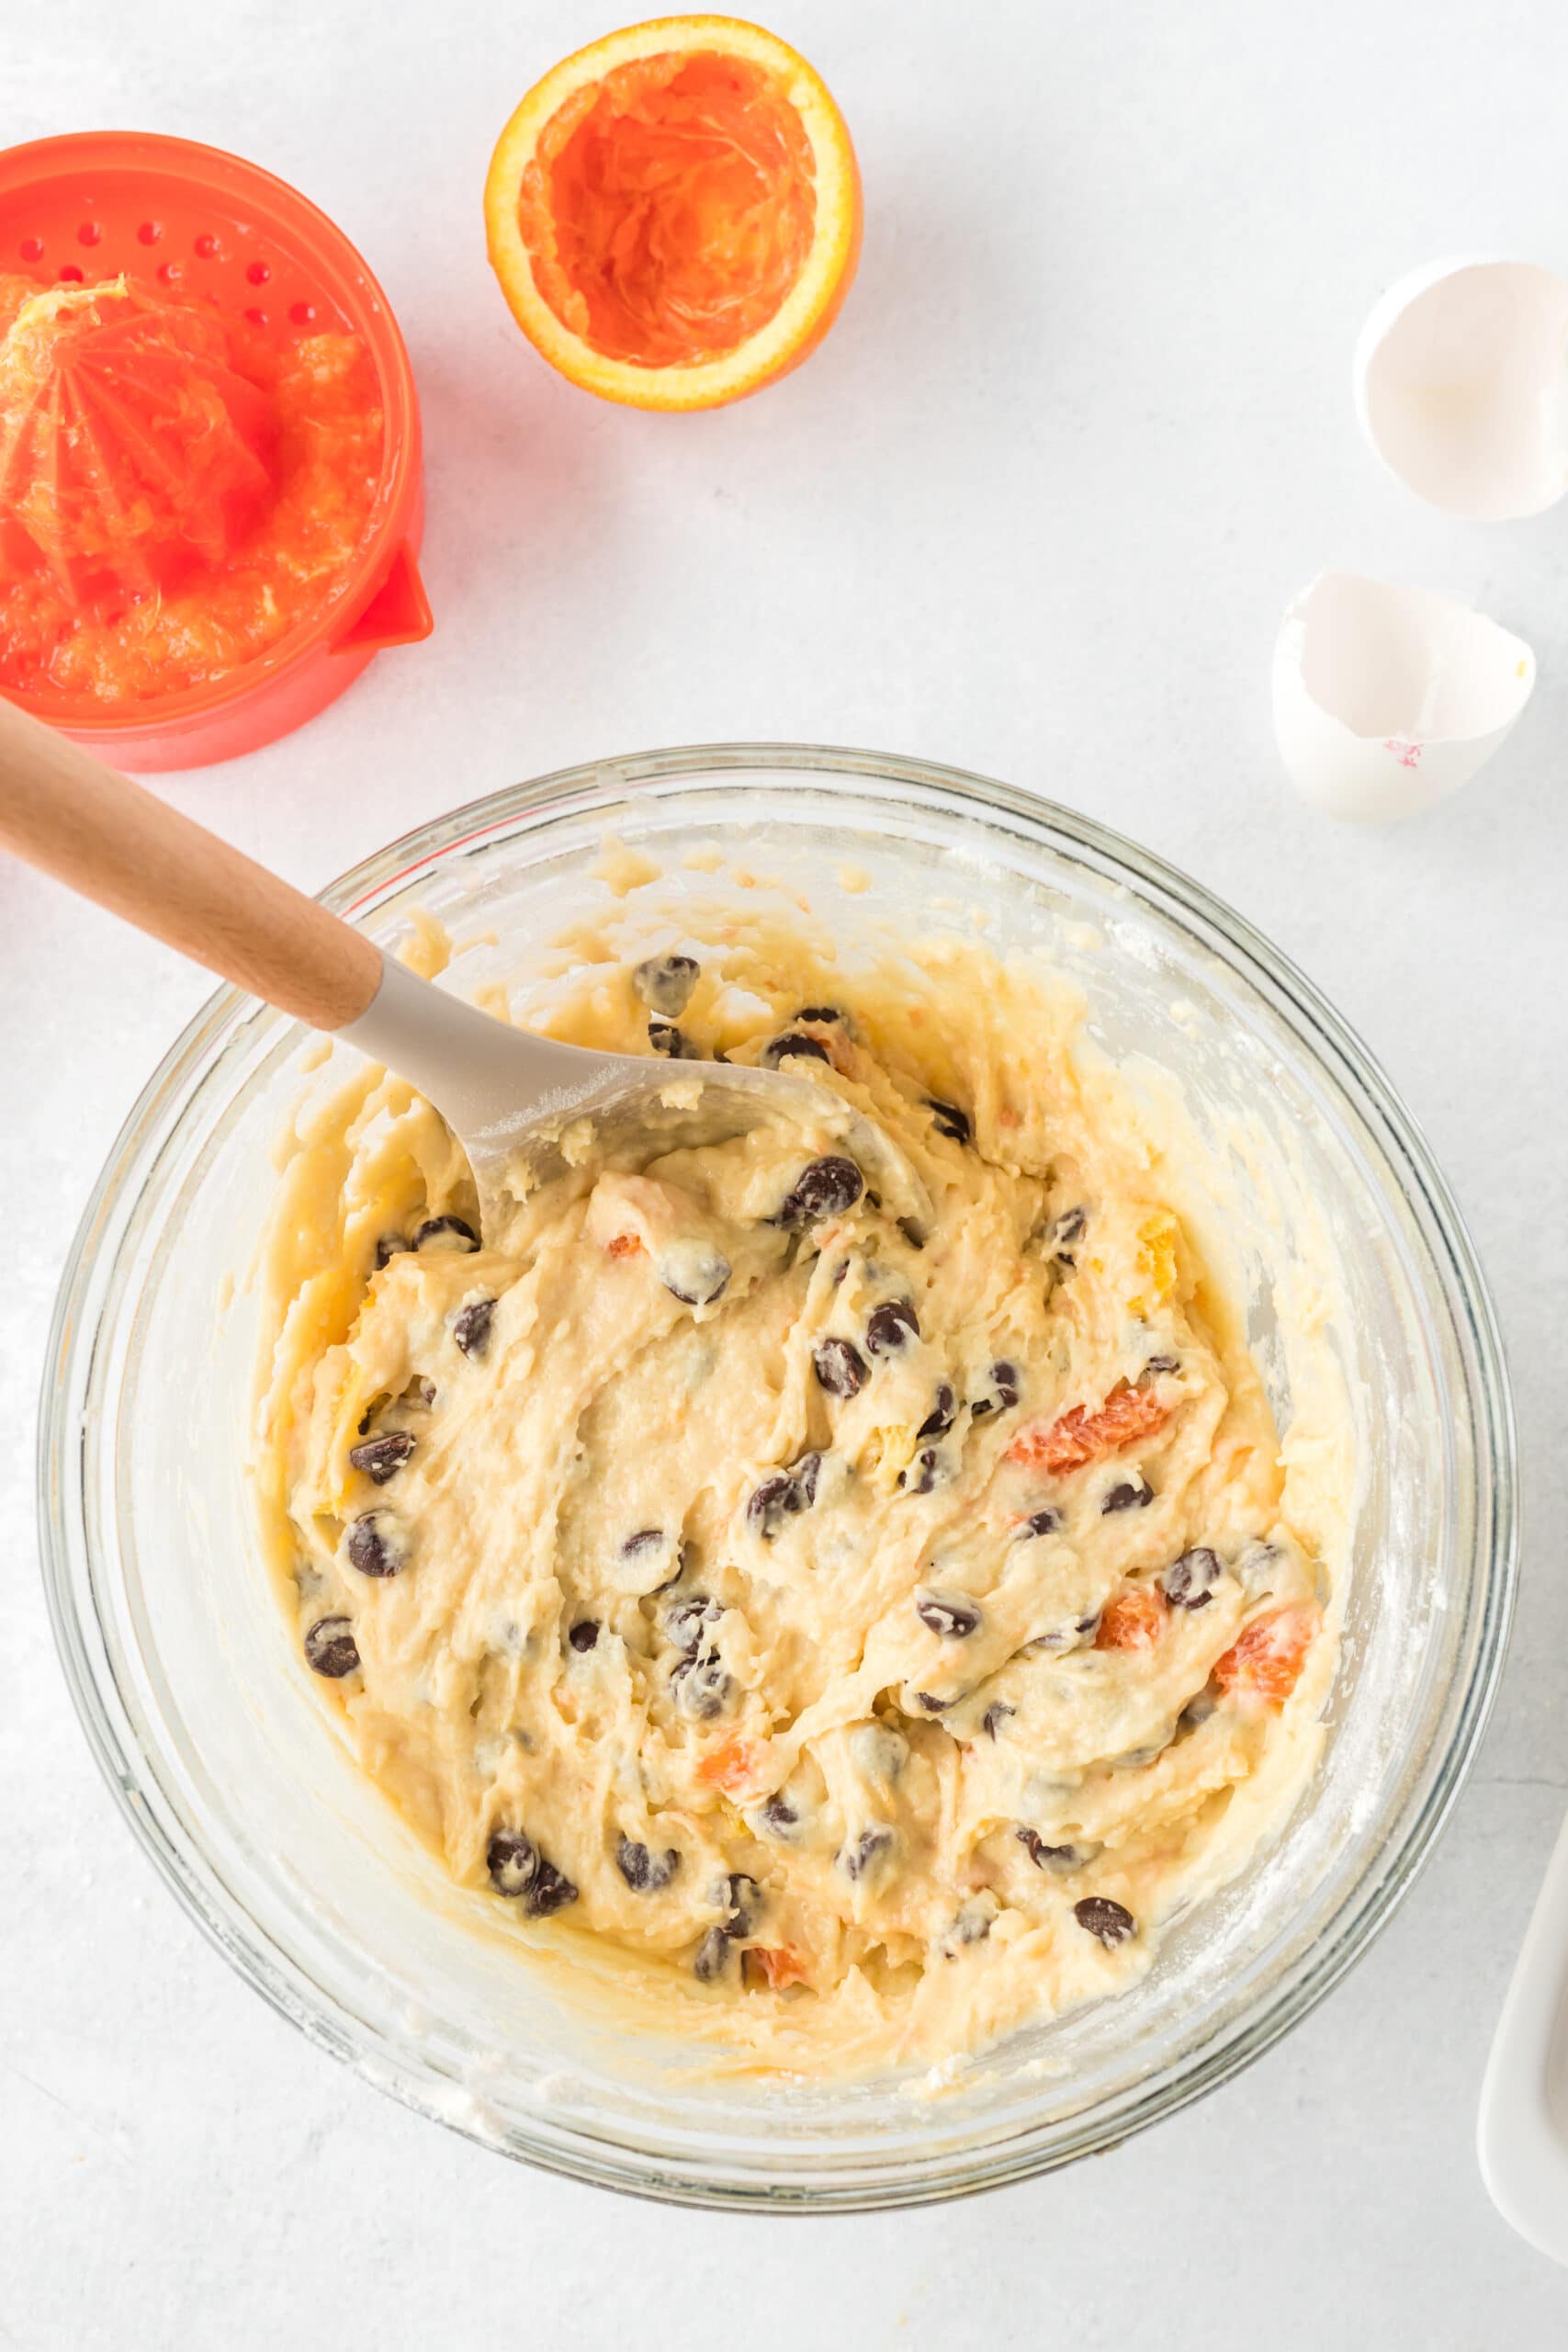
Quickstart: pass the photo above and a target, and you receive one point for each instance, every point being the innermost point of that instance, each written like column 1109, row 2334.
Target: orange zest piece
column 1266, row 1662
column 782, row 1967
column 623, row 1244
column 731, row 1767
column 675, row 212
column 1080, row 1437
column 1134, row 1619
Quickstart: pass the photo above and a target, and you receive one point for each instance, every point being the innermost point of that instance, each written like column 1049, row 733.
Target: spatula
column 506, row 1093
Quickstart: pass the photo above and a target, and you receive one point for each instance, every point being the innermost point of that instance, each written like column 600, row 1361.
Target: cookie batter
column 876, row 1631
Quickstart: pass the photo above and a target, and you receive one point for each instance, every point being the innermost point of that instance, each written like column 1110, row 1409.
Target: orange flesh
column 729, row 1768
column 1133, row 1620
column 782, row 1967
column 1080, row 1437
column 175, row 495
column 1266, row 1662
column 670, row 208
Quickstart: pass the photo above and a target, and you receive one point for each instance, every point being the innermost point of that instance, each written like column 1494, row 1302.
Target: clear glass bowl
column 240, row 1784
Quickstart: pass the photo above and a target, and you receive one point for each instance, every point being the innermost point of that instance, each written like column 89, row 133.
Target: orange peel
column 675, row 213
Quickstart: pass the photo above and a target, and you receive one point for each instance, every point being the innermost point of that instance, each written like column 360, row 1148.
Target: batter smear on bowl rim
column 872, row 1633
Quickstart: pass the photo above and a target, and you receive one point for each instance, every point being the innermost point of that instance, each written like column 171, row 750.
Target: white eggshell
column 1387, row 699
column 1461, row 384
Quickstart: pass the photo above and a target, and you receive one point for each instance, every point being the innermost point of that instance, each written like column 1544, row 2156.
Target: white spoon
column 1522, row 2132
column 507, row 1094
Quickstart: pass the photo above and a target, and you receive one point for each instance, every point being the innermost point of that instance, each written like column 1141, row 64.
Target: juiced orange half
column 675, row 213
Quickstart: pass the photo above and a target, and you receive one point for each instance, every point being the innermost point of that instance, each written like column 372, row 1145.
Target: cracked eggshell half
column 1388, row 699
column 1461, row 385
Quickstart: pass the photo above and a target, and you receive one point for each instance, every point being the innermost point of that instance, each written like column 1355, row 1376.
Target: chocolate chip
column 644, row 1872
column 686, row 1619
column 926, row 1472
column 794, row 1044
column 379, row 1457
column 1004, row 1386
column 947, row 1614
column 867, row 1852
column 1066, row 1230
column 1051, row 1858
column 1043, row 1521
column 913, row 1231
column 507, row 1640
column 551, row 1891
column 701, row 1688
column 646, row 1540
column 998, row 1712
column 929, row 1704
column 449, row 1232
column 1189, row 1582
column 389, row 1246
column 839, row 1367
column 1134, row 1759
column 377, row 1546
column 779, row 1816
column 1161, row 1363
column 824, row 1188
column 695, row 1273
column 891, row 1326
column 782, row 1494
column 714, row 1955
column 331, row 1648
column 949, row 1120
column 513, row 1860
column 1133, row 1494
column 1258, row 1567
column 744, row 1897
column 584, row 1634
column 940, row 1417
column 881, row 1751
column 1098, row 1915
column 471, row 1329
column 1199, row 1708
column 665, row 983
column 1070, row 1637
column 673, row 1043
column 972, row 1924
column 824, row 1012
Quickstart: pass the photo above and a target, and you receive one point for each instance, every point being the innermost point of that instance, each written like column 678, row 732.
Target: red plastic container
column 97, row 202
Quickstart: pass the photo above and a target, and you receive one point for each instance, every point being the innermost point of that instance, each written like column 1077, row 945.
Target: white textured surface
column 1035, row 508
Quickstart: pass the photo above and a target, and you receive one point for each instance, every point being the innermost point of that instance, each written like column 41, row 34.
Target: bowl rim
column 66, row 1529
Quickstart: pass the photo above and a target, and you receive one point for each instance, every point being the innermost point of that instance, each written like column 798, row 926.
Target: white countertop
column 1034, row 508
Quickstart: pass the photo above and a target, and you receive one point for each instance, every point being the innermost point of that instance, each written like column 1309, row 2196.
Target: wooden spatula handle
column 66, row 812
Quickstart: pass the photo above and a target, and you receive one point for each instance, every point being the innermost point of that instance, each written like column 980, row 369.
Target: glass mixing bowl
column 239, row 1782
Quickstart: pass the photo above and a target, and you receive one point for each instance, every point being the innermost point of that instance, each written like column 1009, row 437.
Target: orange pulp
column 175, row 495
column 669, row 207
column 675, row 212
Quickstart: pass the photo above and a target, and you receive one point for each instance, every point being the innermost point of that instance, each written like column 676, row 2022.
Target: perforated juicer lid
column 179, row 215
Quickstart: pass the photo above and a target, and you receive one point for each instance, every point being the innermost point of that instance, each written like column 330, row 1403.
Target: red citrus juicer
column 91, row 205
